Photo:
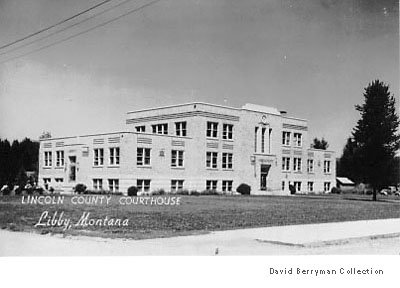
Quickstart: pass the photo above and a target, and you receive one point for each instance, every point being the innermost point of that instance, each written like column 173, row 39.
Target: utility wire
column 54, row 25
column 83, row 32
column 63, row 29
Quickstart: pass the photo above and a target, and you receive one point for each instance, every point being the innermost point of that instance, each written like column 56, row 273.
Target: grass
column 201, row 214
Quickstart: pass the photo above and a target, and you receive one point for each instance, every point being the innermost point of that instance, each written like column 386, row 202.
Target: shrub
column 209, row 192
column 80, row 188
column 243, row 189
column 5, row 190
column 182, row 192
column 158, row 192
column 132, row 191
column 194, row 193
column 335, row 190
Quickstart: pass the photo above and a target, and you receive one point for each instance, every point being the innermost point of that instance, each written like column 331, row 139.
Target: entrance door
column 263, row 176
column 72, row 168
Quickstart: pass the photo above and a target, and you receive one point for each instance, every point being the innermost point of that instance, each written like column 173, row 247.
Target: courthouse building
column 195, row 146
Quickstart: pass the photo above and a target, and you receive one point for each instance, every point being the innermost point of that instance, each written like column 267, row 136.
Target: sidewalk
column 357, row 237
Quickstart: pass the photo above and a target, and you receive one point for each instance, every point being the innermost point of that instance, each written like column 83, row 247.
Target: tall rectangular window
column 114, row 156
column 297, row 141
column 97, row 184
column 285, row 163
column 113, row 185
column 176, row 185
column 310, row 165
column 177, row 158
column 211, row 159
column 98, row 159
column 211, row 184
column 327, row 186
column 160, row 128
column 255, row 139
column 212, row 129
column 143, row 185
column 140, row 129
column 263, row 140
column 327, row 166
column 286, row 138
column 296, row 164
column 180, row 128
column 227, row 185
column 143, row 156
column 227, row 160
column 310, row 186
column 283, row 186
column 47, row 159
column 227, row 131
column 297, row 186
column 59, row 158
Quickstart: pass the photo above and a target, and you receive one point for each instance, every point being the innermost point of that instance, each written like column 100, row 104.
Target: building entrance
column 263, row 176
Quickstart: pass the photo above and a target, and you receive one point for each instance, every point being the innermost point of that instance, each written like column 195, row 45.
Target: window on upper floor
column 327, row 166
column 227, row 162
column 297, row 139
column 180, row 128
column 140, row 129
column 176, row 158
column 59, row 158
column 310, row 165
column 160, row 128
column 47, row 159
column 227, row 131
column 143, row 156
column 285, row 163
column 114, row 156
column 285, row 138
column 211, row 159
column 98, row 157
column 296, row 164
column 212, row 129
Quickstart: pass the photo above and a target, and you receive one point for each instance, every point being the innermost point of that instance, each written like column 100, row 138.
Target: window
column 327, row 166
column 46, row 182
column 212, row 129
column 310, row 186
column 263, row 139
column 59, row 158
column 285, row 163
column 297, row 186
column 297, row 164
column 297, row 139
column 310, row 166
column 283, row 185
column 227, row 131
column 160, row 128
column 98, row 157
column 143, row 157
column 176, row 185
column 113, row 185
column 211, row 184
column 255, row 139
column 140, row 129
column 47, row 159
column 59, row 180
column 114, row 156
column 227, row 160
column 211, row 159
column 180, row 128
column 285, row 138
column 327, row 186
column 177, row 158
column 97, row 184
column 143, row 185
column 226, row 185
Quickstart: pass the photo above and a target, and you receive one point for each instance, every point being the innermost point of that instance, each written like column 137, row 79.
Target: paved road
column 357, row 237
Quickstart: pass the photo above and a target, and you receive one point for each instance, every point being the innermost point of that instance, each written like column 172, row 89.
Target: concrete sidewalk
column 356, row 237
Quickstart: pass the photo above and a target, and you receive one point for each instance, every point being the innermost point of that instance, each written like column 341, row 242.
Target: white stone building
column 194, row 146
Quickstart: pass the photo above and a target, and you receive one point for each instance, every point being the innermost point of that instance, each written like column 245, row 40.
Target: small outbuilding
column 344, row 183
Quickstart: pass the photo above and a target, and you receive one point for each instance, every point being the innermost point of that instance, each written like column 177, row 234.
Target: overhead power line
column 85, row 31
column 54, row 25
column 63, row 29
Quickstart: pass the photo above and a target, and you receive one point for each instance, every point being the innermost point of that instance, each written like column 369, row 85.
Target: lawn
column 201, row 214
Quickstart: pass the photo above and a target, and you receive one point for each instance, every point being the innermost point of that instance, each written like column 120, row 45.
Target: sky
column 311, row 58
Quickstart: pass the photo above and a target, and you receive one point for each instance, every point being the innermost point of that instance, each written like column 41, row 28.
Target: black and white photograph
column 200, row 128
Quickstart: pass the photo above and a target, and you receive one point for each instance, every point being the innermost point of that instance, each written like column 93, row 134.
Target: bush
column 80, row 188
column 194, row 193
column 132, row 191
column 209, row 192
column 243, row 189
column 182, row 192
column 335, row 190
column 158, row 192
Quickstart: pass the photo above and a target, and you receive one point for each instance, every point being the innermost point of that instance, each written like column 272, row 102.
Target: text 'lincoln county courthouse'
column 194, row 146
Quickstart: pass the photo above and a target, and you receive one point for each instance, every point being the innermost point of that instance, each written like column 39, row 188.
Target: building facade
column 195, row 146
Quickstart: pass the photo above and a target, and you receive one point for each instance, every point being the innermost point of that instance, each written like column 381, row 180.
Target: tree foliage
column 320, row 144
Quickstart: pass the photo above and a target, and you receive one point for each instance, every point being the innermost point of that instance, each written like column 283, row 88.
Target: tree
column 375, row 136
column 320, row 144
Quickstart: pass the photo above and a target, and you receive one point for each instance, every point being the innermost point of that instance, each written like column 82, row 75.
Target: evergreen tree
column 320, row 144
